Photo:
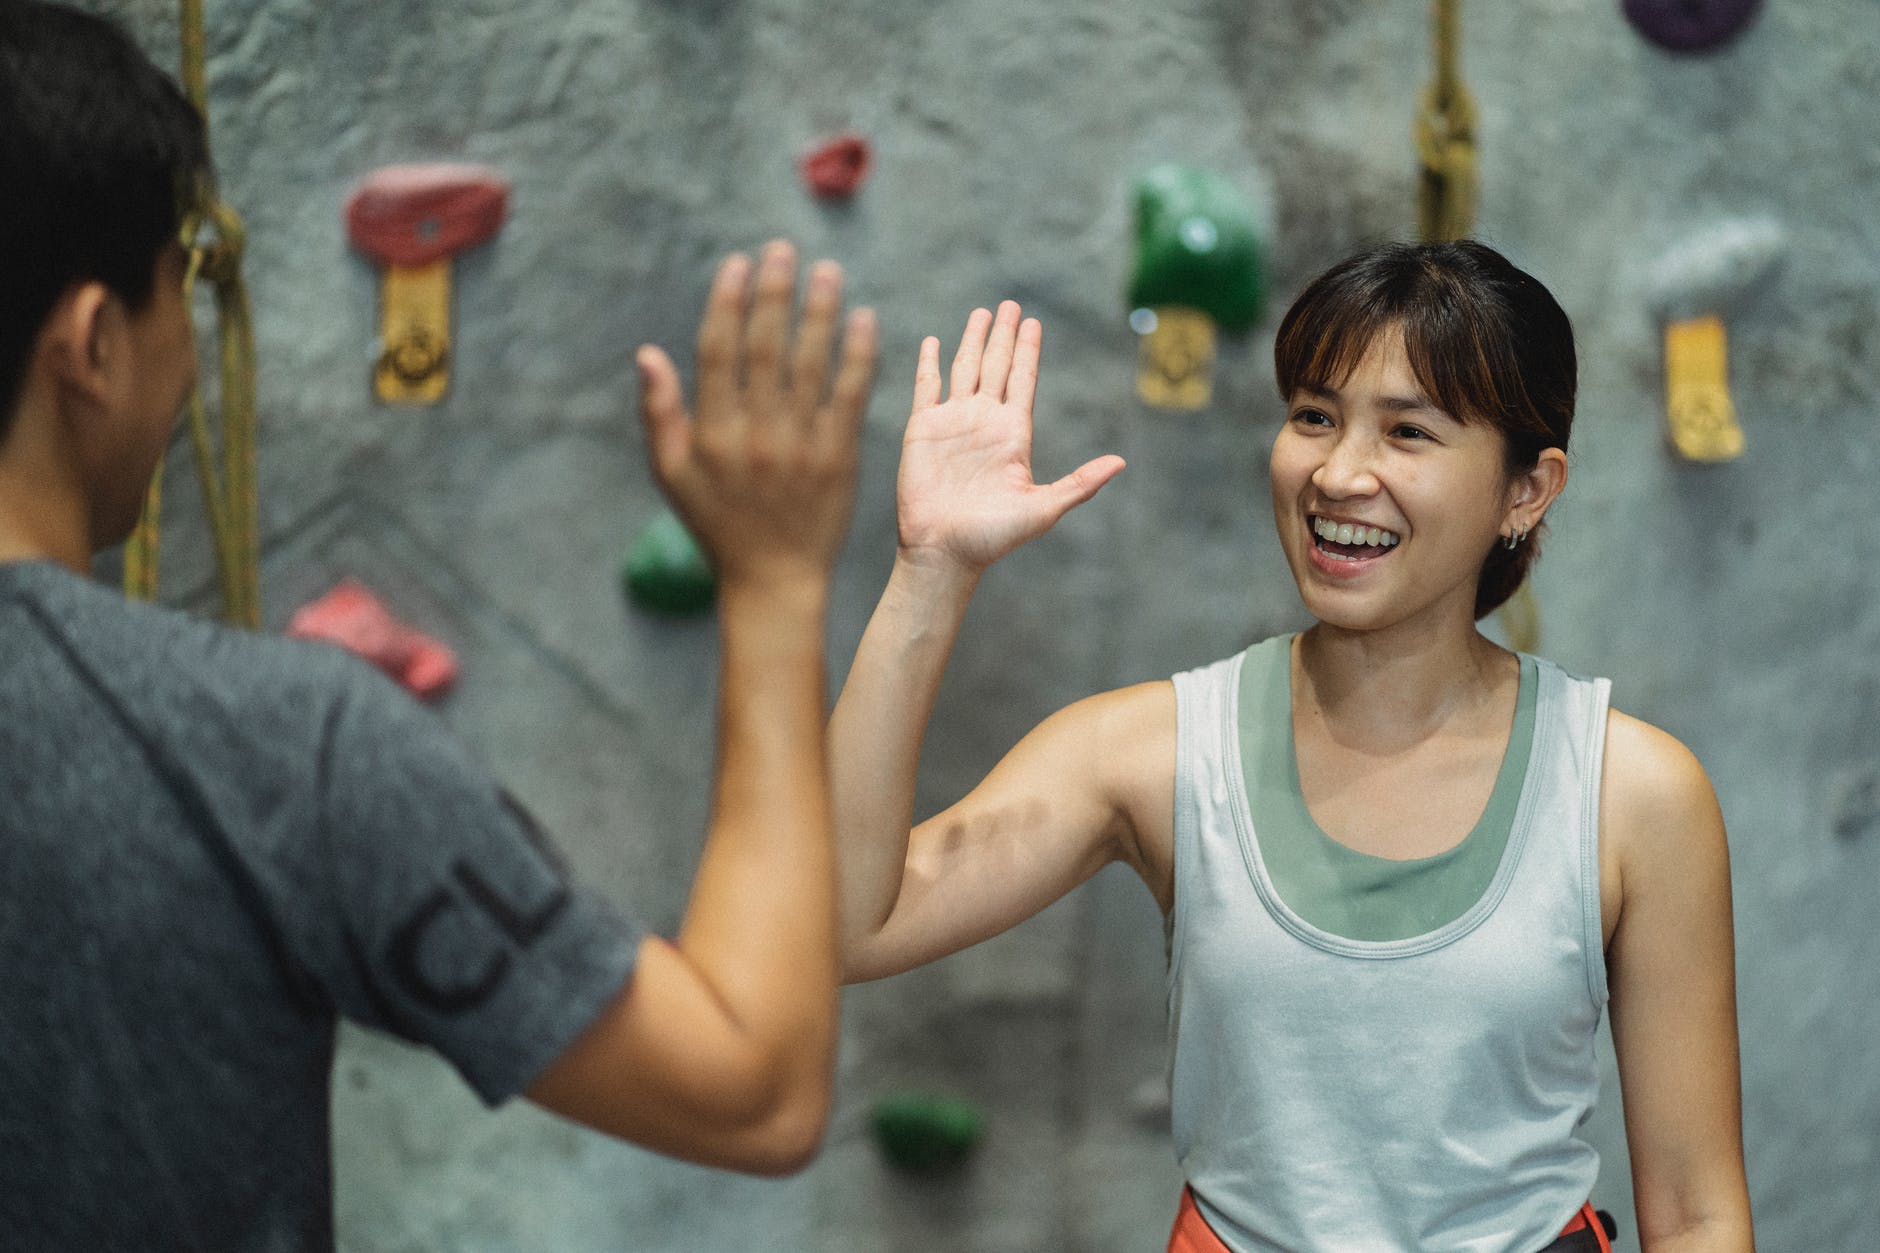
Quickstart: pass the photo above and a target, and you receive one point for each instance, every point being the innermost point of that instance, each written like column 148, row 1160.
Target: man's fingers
column 972, row 348
column 769, row 328
column 998, row 360
column 809, row 363
column 927, row 375
column 848, row 399
column 1022, row 387
column 662, row 409
column 720, row 334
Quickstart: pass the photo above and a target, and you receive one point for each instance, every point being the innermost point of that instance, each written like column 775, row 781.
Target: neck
column 44, row 511
column 1402, row 681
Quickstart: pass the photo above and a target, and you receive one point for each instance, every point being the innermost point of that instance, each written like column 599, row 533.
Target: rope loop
column 222, row 260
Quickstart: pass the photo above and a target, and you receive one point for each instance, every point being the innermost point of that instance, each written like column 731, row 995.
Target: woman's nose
column 1348, row 469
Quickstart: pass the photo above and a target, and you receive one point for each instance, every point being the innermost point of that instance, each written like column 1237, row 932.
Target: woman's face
column 1386, row 505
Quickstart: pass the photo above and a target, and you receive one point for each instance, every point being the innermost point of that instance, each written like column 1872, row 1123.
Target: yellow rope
column 228, row 488
column 140, row 555
column 1446, row 202
column 1445, row 136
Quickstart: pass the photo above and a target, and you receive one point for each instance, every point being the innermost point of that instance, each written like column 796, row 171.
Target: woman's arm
column 1041, row 822
column 1671, row 968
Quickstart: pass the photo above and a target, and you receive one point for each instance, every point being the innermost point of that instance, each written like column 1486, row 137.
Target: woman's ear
column 1534, row 490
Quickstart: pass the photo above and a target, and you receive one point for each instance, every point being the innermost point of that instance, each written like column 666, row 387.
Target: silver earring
column 1514, row 540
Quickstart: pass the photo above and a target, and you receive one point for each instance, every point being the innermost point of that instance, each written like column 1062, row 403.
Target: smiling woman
column 1471, row 347
column 1403, row 869
column 1372, row 452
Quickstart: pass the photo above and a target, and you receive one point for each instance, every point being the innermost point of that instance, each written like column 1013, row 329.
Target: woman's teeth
column 1350, row 533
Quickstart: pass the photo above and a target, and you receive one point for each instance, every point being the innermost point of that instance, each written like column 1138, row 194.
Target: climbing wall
column 1735, row 603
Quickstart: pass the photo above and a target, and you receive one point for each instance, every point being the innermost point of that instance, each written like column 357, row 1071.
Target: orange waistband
column 1193, row 1235
column 1588, row 1220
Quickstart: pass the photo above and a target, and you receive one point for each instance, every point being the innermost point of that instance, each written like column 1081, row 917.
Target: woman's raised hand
column 965, row 491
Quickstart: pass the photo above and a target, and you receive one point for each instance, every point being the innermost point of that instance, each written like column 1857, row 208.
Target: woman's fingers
column 1022, row 387
column 815, row 338
column 720, row 334
column 998, row 360
column 972, row 348
column 927, row 375
column 1082, row 483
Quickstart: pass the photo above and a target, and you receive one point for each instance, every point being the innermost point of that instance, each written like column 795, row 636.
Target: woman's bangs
column 1323, row 344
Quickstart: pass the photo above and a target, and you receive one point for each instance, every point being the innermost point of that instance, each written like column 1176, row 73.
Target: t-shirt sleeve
column 458, row 925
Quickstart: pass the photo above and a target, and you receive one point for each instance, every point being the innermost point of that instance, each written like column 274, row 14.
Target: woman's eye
column 1311, row 417
column 1406, row 431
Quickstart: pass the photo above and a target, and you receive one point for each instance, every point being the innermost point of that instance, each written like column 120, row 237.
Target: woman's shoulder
column 1125, row 715
column 1658, row 811
column 1646, row 766
column 1124, row 738
column 1128, row 739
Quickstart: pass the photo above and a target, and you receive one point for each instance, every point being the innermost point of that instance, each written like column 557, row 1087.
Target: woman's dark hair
column 1485, row 340
column 100, row 156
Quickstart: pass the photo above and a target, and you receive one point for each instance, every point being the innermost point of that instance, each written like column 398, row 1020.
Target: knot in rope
column 222, row 260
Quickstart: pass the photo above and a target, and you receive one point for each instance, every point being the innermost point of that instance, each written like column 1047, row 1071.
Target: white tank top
column 1343, row 1096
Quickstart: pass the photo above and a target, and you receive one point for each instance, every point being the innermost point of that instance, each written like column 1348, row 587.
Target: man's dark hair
column 100, row 157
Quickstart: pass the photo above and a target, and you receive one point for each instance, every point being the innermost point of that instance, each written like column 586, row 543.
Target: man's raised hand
column 764, row 471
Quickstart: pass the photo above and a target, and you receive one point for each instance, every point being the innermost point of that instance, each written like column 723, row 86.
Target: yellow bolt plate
column 413, row 367
column 1697, row 390
column 1177, row 366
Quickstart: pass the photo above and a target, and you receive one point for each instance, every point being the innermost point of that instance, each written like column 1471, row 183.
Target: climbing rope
column 1446, row 201
column 228, row 482
column 1445, row 137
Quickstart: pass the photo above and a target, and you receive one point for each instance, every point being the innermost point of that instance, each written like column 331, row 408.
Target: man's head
column 101, row 157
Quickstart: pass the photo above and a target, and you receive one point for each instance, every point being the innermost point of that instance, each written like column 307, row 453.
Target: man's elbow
column 778, row 1107
column 792, row 1141
column 784, row 1133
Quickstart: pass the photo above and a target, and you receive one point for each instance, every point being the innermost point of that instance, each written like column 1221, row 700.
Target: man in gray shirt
column 213, row 845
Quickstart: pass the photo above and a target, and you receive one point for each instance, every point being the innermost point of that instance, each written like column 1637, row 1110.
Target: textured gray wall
column 1734, row 605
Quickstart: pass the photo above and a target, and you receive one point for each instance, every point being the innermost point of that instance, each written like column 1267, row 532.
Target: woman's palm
column 965, row 488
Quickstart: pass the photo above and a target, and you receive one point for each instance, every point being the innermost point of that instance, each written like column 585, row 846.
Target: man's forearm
column 761, row 925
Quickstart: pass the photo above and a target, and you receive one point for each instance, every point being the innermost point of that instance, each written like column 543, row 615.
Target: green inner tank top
column 1335, row 887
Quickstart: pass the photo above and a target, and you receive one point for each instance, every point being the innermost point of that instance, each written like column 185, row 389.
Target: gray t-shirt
column 212, row 846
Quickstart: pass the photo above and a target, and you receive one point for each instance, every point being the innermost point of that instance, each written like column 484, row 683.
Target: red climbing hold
column 835, row 169
column 353, row 618
column 412, row 215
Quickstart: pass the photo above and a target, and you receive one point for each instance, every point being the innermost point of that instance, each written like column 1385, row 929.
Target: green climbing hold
column 667, row 572
column 920, row 1133
column 1197, row 246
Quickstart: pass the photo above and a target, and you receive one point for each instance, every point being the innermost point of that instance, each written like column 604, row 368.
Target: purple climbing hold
column 1690, row 25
